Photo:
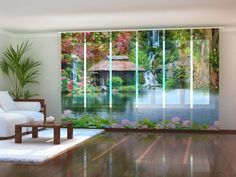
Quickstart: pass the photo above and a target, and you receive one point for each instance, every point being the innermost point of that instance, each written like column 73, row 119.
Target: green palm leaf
column 20, row 70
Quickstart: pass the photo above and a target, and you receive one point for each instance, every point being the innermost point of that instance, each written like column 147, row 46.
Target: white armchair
column 18, row 111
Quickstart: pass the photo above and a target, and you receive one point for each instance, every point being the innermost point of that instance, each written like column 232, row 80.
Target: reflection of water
column 182, row 96
column 205, row 108
column 151, row 97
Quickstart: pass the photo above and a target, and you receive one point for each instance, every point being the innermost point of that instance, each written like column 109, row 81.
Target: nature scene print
column 149, row 79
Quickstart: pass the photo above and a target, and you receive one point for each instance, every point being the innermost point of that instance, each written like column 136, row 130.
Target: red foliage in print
column 70, row 85
column 121, row 43
column 66, row 46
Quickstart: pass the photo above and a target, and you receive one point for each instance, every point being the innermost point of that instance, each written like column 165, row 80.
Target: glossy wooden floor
column 139, row 155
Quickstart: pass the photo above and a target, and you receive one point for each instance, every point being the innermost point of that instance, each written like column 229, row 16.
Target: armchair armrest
column 41, row 101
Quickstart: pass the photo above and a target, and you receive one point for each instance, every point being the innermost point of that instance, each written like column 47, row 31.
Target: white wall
column 228, row 78
column 4, row 43
column 47, row 49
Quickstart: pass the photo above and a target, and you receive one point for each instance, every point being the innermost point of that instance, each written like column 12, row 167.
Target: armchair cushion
column 30, row 115
column 6, row 101
column 28, row 106
column 8, row 122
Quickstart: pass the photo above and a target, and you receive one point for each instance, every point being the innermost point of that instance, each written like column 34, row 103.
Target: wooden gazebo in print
column 121, row 66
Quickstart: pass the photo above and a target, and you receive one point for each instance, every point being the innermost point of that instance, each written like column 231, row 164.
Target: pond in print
column 150, row 105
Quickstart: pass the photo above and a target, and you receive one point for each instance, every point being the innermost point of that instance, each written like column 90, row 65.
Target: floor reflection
column 139, row 155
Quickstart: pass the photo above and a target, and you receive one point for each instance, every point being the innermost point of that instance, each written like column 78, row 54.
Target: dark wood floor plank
column 118, row 154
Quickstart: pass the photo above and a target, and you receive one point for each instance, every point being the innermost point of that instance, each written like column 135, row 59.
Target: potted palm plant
column 21, row 70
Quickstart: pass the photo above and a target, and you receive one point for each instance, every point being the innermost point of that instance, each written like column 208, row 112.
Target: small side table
column 35, row 125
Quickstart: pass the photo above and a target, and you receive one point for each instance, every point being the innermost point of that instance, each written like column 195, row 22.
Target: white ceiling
column 29, row 16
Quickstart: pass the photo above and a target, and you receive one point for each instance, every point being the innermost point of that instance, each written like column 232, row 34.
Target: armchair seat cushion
column 30, row 115
column 8, row 122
